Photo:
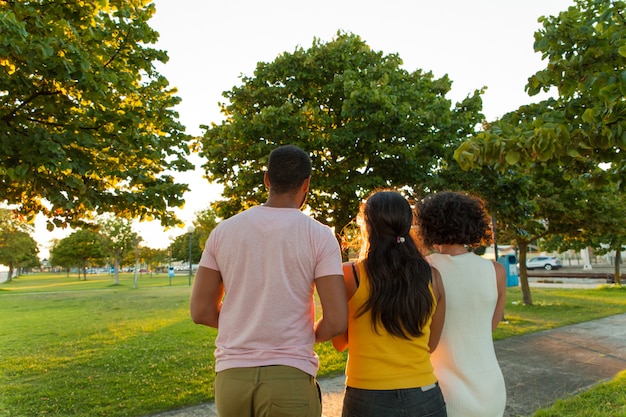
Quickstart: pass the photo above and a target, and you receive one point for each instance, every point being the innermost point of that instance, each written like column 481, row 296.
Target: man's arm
column 206, row 297
column 334, row 321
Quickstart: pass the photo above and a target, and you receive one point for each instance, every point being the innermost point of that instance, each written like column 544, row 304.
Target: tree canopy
column 599, row 222
column 17, row 247
column 185, row 244
column 585, row 49
column 79, row 249
column 205, row 221
column 118, row 239
column 86, row 122
column 365, row 121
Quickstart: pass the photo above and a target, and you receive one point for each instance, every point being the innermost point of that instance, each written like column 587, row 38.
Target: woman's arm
column 498, row 313
column 436, row 325
column 341, row 342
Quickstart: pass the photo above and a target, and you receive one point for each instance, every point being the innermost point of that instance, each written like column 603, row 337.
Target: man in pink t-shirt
column 256, row 280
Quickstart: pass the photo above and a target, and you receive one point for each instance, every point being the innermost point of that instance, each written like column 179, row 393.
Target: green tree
column 540, row 204
column 365, row 121
column 61, row 256
column 204, row 223
column 87, row 123
column 153, row 258
column 600, row 226
column 510, row 200
column 118, row 240
column 181, row 247
column 612, row 236
column 81, row 249
column 17, row 248
column 585, row 49
column 579, row 211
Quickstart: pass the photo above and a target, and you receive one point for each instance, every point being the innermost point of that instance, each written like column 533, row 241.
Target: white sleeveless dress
column 465, row 361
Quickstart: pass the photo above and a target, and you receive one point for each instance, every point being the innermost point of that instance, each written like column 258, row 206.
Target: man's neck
column 282, row 201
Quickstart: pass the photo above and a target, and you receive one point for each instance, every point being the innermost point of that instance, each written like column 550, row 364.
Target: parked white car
column 546, row 262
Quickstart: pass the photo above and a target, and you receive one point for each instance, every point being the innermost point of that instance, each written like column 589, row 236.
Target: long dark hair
column 400, row 298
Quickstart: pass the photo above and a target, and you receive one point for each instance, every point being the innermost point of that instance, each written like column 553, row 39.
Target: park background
column 210, row 44
column 88, row 346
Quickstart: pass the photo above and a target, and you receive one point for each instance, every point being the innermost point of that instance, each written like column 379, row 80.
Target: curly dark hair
column 399, row 276
column 453, row 217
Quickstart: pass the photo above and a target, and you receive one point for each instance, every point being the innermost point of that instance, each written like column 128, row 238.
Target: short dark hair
column 287, row 168
column 450, row 217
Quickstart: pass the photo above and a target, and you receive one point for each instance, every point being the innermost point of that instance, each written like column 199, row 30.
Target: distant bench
column 608, row 277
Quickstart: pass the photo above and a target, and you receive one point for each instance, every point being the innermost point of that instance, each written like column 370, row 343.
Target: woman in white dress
column 465, row 362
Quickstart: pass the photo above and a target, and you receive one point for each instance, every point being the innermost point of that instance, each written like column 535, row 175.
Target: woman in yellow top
column 396, row 313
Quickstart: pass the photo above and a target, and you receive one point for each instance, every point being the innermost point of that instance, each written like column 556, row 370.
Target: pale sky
column 210, row 44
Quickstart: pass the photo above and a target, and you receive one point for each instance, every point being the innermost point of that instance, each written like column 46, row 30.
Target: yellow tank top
column 383, row 361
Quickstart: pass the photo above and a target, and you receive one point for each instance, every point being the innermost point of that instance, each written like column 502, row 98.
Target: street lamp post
column 190, row 229
column 169, row 267
column 136, row 262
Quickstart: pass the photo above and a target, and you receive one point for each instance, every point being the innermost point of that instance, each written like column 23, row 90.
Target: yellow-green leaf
column 512, row 157
column 573, row 152
column 587, row 116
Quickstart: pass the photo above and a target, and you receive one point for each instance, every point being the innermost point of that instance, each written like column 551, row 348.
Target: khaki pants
column 267, row 391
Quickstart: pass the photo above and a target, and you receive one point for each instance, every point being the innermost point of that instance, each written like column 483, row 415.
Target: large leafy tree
column 153, row 258
column 579, row 210
column 61, row 256
column 180, row 247
column 17, row 247
column 204, row 223
column 80, row 249
column 600, row 223
column 613, row 238
column 539, row 204
column 18, row 250
column 585, row 49
column 86, row 122
column 510, row 200
column 147, row 257
column 185, row 244
column 365, row 121
column 118, row 240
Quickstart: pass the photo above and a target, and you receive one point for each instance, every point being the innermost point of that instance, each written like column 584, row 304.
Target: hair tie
column 400, row 239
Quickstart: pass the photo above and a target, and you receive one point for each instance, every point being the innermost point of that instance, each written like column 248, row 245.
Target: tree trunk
column 10, row 276
column 116, row 272
column 137, row 265
column 523, row 272
column 616, row 269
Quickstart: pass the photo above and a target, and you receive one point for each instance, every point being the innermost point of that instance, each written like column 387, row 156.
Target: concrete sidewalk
column 538, row 368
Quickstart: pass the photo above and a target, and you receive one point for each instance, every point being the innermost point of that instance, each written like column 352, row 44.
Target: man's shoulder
column 240, row 216
column 316, row 223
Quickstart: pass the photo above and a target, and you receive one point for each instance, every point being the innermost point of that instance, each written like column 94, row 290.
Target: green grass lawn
column 558, row 307
column 88, row 348
column 604, row 400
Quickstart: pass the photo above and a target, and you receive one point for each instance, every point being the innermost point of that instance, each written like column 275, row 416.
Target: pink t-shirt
column 269, row 258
